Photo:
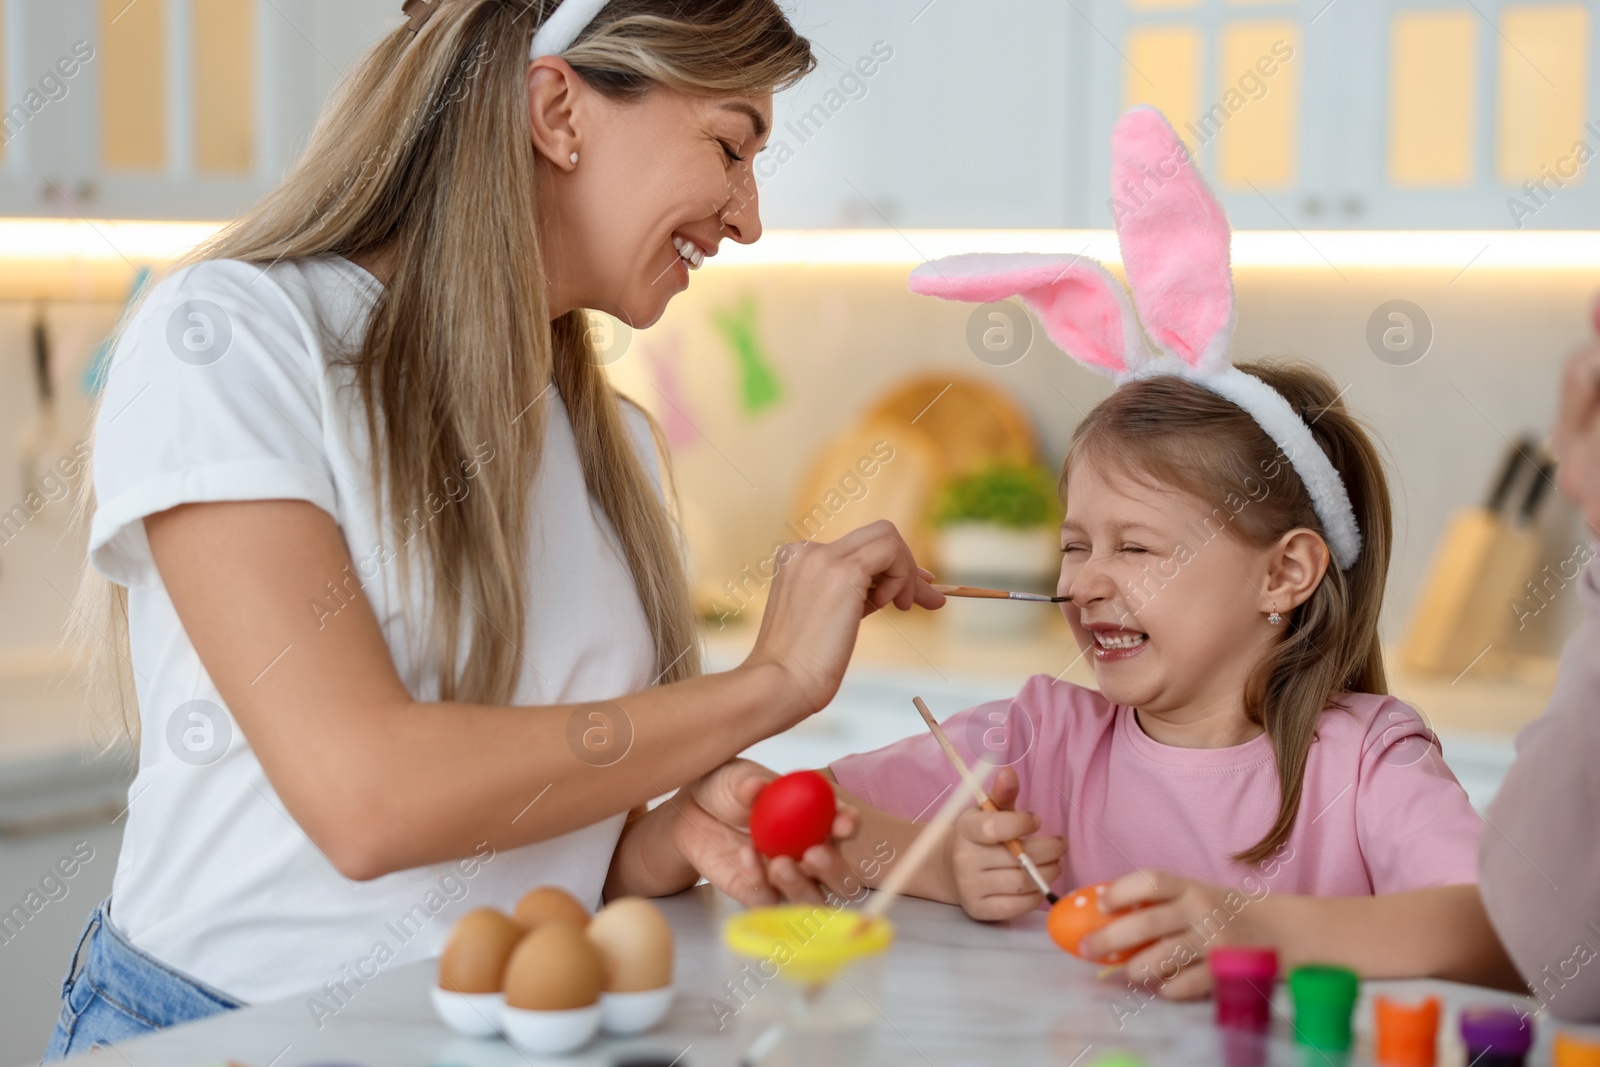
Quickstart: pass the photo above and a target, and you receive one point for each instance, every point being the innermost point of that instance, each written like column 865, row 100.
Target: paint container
column 806, row 978
column 1324, row 1000
column 1496, row 1036
column 1407, row 1034
column 1575, row 1050
column 1242, row 979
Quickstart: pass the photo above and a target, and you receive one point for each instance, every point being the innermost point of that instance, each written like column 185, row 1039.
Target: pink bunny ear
column 1175, row 241
column 1084, row 309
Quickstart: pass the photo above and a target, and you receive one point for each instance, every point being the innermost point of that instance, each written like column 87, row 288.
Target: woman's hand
column 819, row 596
column 1577, row 434
column 712, row 833
column 990, row 883
column 1183, row 920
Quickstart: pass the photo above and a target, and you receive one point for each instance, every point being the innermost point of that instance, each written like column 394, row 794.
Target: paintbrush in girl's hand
column 999, row 594
column 1015, row 847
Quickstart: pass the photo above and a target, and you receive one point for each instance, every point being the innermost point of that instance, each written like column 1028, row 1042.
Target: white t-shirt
column 222, row 389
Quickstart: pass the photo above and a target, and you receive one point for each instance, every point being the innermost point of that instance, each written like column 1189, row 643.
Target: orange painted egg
column 1077, row 915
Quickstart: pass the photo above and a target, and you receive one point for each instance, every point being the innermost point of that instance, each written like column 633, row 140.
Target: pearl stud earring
column 574, row 159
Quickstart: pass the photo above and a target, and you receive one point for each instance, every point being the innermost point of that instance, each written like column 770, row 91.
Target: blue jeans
column 120, row 993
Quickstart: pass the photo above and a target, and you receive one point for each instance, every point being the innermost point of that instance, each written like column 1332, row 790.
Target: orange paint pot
column 1080, row 913
column 1408, row 1034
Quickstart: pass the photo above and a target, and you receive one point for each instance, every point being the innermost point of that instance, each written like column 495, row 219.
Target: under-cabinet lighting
column 1458, row 251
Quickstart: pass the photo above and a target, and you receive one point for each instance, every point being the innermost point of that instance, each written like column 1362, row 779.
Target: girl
column 398, row 593
column 1226, row 538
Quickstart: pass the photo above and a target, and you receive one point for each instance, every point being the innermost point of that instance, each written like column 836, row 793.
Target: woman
column 368, row 490
column 1539, row 863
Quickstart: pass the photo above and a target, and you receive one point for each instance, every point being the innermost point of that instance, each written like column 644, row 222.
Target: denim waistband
column 139, row 983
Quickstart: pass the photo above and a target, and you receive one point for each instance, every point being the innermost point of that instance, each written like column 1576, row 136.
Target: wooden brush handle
column 973, row 591
column 979, row 794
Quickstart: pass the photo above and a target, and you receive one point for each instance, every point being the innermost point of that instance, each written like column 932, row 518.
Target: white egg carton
column 551, row 1032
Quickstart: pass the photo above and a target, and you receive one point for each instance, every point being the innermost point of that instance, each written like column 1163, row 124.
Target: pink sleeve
column 1540, row 860
column 1415, row 825
column 911, row 778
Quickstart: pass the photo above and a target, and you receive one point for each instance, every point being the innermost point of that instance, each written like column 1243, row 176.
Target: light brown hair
column 1167, row 432
column 427, row 147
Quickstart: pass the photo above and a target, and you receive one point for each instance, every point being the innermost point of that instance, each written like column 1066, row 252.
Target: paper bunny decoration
column 1175, row 243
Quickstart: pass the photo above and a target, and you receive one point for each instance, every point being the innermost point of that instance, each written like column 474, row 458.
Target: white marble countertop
column 954, row 992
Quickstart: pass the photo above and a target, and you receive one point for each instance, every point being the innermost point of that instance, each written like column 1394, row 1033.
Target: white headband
column 566, row 22
column 1279, row 420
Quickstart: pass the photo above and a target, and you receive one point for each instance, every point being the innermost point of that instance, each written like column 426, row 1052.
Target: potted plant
column 997, row 527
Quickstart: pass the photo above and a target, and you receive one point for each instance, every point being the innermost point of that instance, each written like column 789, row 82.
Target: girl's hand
column 819, row 596
column 712, row 833
column 1577, row 433
column 990, row 883
column 1184, row 919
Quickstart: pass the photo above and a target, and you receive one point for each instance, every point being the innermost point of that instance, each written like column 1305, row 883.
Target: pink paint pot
column 1242, row 979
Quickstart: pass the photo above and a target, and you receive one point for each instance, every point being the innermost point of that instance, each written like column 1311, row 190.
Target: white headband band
column 566, row 22
column 1329, row 498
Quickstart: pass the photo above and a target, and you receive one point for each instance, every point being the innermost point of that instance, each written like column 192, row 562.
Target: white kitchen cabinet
column 1391, row 114
column 183, row 109
column 1466, row 102
column 965, row 119
column 1253, row 88
column 923, row 113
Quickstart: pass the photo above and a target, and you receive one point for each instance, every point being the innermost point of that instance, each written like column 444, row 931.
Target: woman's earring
column 1274, row 619
column 574, row 159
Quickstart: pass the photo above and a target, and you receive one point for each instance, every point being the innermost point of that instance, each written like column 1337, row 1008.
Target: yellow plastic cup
column 808, row 943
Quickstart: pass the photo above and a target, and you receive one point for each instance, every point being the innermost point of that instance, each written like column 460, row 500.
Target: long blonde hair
column 1168, row 432
column 427, row 148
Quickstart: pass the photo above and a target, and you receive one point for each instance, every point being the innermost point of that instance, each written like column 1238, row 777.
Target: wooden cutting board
column 970, row 422
column 937, row 427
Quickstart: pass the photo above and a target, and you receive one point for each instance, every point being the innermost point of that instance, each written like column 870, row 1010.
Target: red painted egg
column 1077, row 915
column 791, row 814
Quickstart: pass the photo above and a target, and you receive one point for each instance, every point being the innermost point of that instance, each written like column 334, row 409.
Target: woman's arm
column 1441, row 932
column 382, row 782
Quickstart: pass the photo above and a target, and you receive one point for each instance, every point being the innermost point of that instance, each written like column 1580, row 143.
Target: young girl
column 1225, row 544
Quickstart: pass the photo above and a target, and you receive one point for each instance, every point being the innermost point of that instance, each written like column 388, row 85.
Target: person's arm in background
column 1539, row 863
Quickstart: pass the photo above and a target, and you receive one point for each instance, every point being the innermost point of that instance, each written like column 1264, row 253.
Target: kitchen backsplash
column 755, row 367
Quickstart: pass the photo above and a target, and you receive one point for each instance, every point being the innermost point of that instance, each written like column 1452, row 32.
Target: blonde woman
column 381, row 550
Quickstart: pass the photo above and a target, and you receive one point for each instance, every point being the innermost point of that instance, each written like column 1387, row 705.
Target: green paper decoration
column 759, row 387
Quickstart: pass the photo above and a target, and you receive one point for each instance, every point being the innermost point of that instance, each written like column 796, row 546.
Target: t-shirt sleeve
column 214, row 394
column 1416, row 826
column 913, row 777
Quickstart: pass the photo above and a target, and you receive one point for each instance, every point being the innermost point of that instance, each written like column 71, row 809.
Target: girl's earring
column 1274, row 619
column 574, row 159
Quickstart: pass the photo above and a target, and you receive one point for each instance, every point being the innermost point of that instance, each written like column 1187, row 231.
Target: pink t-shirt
column 1380, row 811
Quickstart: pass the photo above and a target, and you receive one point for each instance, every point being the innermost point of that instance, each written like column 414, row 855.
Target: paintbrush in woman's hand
column 999, row 594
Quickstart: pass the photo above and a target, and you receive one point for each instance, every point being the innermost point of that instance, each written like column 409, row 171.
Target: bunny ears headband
column 554, row 36
column 1175, row 243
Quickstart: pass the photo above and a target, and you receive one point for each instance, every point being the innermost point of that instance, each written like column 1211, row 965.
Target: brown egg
column 550, row 903
column 636, row 943
column 474, row 959
column 554, row 968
